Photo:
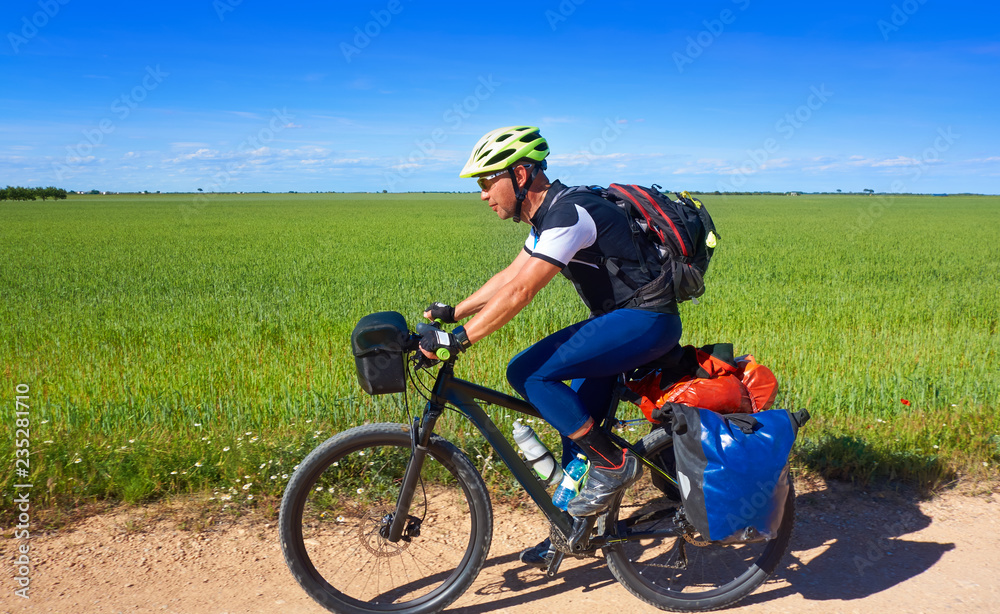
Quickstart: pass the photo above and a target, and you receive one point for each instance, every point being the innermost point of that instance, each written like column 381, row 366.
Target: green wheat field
column 173, row 345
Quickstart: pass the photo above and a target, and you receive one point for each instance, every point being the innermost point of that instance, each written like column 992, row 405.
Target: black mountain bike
column 395, row 518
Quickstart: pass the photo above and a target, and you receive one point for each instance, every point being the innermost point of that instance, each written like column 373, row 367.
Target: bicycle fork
column 420, row 435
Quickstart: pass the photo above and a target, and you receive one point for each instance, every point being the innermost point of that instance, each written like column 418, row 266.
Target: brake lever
column 420, row 361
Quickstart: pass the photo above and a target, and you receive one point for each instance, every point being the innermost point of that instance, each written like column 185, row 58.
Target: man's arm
column 510, row 298
column 480, row 297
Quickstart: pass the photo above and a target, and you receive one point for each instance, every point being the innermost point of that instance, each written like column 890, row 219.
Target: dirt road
column 851, row 552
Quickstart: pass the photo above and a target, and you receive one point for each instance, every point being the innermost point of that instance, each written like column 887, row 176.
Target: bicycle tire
column 716, row 575
column 337, row 500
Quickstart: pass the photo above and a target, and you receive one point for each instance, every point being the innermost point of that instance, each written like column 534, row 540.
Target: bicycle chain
column 688, row 537
column 696, row 542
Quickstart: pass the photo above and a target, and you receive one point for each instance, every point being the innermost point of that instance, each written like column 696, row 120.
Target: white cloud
column 707, row 166
column 202, row 154
column 897, row 161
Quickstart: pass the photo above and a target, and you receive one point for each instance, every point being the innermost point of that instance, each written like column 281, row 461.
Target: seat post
column 611, row 417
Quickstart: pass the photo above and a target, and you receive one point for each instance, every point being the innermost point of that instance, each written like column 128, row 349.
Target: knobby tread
column 369, row 435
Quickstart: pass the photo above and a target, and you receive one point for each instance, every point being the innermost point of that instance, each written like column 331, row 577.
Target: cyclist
column 589, row 240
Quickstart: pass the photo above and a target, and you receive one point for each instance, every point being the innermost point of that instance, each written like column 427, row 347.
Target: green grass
column 183, row 326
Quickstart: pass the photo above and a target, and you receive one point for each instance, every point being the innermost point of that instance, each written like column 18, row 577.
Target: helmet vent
column 500, row 157
column 502, row 138
column 530, row 137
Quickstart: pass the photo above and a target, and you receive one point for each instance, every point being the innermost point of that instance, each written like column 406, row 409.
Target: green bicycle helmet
column 503, row 147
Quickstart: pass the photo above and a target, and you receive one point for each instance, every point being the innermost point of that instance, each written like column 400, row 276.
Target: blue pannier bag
column 733, row 470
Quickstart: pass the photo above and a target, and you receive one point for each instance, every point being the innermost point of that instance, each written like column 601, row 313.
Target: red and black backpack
column 683, row 233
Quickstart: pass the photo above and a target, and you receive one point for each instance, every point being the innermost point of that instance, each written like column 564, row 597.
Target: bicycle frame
column 463, row 395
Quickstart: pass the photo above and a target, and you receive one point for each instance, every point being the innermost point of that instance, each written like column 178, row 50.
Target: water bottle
column 537, row 455
column 571, row 482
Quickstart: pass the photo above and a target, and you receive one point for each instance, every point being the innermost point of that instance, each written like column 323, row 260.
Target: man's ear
column 523, row 174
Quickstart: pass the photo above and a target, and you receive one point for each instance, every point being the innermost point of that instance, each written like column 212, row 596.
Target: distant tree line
column 19, row 193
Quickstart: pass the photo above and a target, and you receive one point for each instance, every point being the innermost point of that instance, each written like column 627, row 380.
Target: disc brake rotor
column 369, row 532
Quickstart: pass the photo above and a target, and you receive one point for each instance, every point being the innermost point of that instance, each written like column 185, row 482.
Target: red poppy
column 904, row 402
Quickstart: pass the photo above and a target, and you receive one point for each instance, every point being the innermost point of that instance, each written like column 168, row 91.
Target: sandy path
column 852, row 552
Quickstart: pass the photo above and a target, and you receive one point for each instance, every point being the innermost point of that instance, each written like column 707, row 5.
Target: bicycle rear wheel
column 669, row 572
column 339, row 502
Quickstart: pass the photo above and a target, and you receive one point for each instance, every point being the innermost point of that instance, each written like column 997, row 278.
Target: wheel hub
column 374, row 535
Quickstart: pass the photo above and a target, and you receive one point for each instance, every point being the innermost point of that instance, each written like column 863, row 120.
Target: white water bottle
column 537, row 455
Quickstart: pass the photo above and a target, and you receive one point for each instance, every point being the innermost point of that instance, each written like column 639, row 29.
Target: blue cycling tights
column 590, row 354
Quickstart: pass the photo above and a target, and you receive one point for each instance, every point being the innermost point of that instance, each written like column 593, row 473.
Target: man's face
column 499, row 194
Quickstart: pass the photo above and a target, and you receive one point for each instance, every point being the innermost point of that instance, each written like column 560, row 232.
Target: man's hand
column 440, row 311
column 441, row 345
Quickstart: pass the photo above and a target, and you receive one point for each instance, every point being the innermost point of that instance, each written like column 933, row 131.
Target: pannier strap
column 746, row 422
column 799, row 419
column 668, row 413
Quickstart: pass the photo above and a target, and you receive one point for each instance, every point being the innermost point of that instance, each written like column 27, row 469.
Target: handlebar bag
column 379, row 342
column 733, row 470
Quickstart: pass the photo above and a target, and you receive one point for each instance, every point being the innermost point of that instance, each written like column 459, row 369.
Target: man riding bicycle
column 589, row 240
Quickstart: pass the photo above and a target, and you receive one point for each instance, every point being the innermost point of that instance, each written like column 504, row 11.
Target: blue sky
column 231, row 95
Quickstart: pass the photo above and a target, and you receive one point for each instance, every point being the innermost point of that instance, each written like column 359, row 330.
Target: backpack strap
column 634, row 228
column 611, row 264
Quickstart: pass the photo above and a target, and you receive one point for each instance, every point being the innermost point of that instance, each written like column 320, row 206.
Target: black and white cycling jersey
column 579, row 232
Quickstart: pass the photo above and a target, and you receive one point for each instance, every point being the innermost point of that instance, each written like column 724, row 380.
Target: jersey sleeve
column 565, row 232
column 531, row 242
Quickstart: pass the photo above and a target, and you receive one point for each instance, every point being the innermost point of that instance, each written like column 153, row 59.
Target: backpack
column 682, row 232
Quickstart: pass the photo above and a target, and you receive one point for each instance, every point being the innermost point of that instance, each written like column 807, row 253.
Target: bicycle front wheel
column 669, row 572
column 337, row 507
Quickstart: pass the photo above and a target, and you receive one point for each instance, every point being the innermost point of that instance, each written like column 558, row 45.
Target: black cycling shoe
column 602, row 486
column 538, row 556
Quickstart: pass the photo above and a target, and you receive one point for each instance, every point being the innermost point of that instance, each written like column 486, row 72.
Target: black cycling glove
column 453, row 342
column 440, row 311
